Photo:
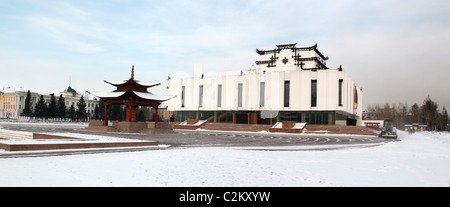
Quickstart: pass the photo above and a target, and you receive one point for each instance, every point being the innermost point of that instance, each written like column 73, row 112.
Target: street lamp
column 4, row 104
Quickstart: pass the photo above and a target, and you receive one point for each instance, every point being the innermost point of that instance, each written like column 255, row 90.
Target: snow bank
column 45, row 124
column 416, row 160
column 81, row 138
column 279, row 125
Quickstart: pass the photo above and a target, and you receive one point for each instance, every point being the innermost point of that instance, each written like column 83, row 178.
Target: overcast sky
column 397, row 51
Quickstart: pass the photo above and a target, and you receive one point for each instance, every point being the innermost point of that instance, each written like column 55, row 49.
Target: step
column 6, row 134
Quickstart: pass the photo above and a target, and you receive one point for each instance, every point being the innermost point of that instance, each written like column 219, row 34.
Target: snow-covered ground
column 422, row 159
column 80, row 138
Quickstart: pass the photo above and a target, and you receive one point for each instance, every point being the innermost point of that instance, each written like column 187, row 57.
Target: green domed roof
column 71, row 90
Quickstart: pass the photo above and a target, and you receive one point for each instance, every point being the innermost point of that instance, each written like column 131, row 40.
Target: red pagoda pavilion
column 132, row 94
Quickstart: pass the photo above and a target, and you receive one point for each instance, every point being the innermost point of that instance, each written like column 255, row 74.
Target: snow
column 198, row 123
column 146, row 95
column 44, row 124
column 111, row 94
column 80, row 138
column 279, row 125
column 5, row 131
column 422, row 159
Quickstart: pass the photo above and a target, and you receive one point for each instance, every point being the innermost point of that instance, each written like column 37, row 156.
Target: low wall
column 130, row 127
column 93, row 123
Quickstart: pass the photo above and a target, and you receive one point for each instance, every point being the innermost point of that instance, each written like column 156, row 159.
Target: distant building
column 416, row 127
column 71, row 96
column 69, row 92
column 13, row 103
column 289, row 83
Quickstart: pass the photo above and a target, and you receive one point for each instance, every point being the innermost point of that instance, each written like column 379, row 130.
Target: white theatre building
column 289, row 83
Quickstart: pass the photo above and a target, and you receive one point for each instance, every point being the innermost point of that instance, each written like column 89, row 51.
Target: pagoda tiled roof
column 119, row 83
column 120, row 94
column 131, row 92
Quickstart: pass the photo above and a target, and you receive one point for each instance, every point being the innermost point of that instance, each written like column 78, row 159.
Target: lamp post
column 2, row 100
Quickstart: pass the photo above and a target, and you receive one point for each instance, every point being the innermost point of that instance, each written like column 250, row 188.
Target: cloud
column 70, row 35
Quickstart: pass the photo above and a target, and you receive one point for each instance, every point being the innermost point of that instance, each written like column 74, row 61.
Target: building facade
column 71, row 96
column 13, row 103
column 289, row 83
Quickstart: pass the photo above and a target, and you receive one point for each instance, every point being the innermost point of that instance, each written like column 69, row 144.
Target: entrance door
column 241, row 118
column 351, row 122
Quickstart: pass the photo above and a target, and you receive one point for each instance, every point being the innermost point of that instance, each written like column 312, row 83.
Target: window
column 262, row 88
column 200, row 96
column 313, row 93
column 183, row 95
column 286, row 93
column 239, row 94
column 340, row 91
column 219, row 95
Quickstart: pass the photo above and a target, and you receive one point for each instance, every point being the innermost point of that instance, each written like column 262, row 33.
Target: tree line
column 55, row 108
column 58, row 109
column 426, row 114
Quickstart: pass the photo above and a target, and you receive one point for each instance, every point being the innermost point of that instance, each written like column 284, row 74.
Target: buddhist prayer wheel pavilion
column 131, row 93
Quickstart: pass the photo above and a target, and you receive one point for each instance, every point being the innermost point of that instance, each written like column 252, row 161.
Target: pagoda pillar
column 131, row 113
column 106, row 115
column 156, row 116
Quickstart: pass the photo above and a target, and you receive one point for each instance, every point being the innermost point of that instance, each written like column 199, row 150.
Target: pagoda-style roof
column 131, row 84
column 126, row 95
column 118, row 83
column 131, row 92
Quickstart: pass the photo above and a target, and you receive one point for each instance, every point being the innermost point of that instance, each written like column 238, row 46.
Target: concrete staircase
column 5, row 134
column 312, row 129
column 235, row 127
column 332, row 129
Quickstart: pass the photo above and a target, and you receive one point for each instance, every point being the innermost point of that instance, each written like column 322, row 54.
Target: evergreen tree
column 27, row 109
column 96, row 112
column 101, row 108
column 51, row 113
column 81, row 110
column 40, row 110
column 429, row 113
column 445, row 116
column 116, row 113
column 71, row 113
column 108, row 108
column 442, row 120
column 61, row 107
column 414, row 114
